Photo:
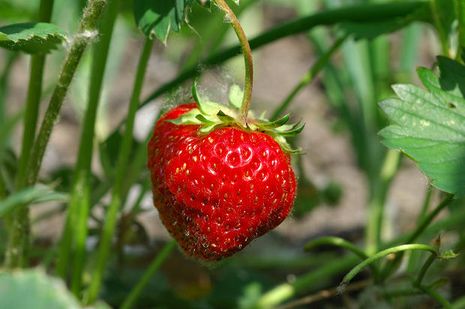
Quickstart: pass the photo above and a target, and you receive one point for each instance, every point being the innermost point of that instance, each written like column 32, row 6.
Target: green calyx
column 211, row 115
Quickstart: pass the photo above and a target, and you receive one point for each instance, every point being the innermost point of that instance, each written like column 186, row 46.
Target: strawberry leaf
column 156, row 19
column 32, row 38
column 34, row 289
column 429, row 125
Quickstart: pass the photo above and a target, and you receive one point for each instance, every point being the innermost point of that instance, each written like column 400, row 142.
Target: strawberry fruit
column 219, row 183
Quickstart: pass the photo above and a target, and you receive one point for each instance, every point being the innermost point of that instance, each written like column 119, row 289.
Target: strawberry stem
column 246, row 51
column 18, row 223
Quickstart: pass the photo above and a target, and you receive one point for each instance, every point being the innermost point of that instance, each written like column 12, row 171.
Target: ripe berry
column 217, row 190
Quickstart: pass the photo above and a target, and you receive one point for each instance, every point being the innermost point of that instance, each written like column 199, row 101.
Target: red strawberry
column 218, row 190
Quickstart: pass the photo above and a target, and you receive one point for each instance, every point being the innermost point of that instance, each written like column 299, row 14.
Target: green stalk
column 131, row 299
column 460, row 6
column 18, row 221
column 436, row 296
column 376, row 206
column 86, row 33
column 335, row 90
column 285, row 291
column 410, row 247
column 18, row 240
column 308, row 77
column 213, row 36
column 413, row 258
column 391, row 266
column 428, row 219
column 4, row 79
column 337, row 242
column 341, row 243
column 122, row 162
column 426, row 203
column 78, row 213
column 356, row 13
column 247, row 53
column 2, row 188
column 442, row 34
column 356, row 56
column 424, row 269
column 411, row 39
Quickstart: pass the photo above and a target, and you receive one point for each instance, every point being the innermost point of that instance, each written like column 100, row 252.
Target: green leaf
column 6, row 129
column 32, row 38
column 32, row 195
column 34, row 289
column 371, row 30
column 157, row 18
column 429, row 125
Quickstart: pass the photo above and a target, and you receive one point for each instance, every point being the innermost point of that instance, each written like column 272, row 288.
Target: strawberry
column 219, row 183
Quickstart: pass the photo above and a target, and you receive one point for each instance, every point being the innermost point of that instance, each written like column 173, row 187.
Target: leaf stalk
column 247, row 53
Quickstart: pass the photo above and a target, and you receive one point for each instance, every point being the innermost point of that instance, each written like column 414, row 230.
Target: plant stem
column 282, row 292
column 460, row 8
column 414, row 257
column 342, row 243
column 357, row 13
column 426, row 203
column 428, row 219
column 436, row 296
column 325, row 294
column 376, row 205
column 86, row 33
column 425, row 268
column 246, row 51
column 309, row 76
column 79, row 208
column 286, row 290
column 131, row 299
column 391, row 266
column 18, row 238
column 411, row 39
column 122, row 162
column 337, row 242
column 410, row 247
column 442, row 34
column 2, row 188
column 18, row 221
column 4, row 79
column 213, row 36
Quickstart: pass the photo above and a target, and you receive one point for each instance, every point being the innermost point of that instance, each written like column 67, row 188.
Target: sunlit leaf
column 31, row 195
column 33, row 38
column 429, row 125
column 34, row 289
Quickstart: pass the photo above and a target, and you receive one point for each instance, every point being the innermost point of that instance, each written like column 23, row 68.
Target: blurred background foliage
column 354, row 76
